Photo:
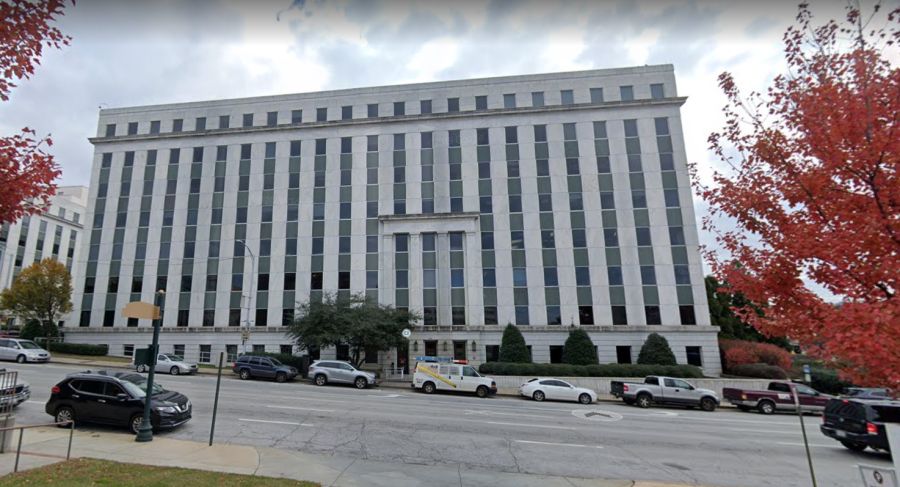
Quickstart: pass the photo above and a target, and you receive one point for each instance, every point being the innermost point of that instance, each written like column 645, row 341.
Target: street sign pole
column 212, row 429
column 145, row 432
column 812, row 472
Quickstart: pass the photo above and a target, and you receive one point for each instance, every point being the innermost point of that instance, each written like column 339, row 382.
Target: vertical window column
column 39, row 246
column 399, row 174
column 646, row 260
column 547, row 222
column 401, row 272
column 318, row 223
column 263, row 281
column 292, row 229
column 372, row 237
column 346, row 206
column 427, row 157
column 516, row 227
column 455, row 159
column 486, row 222
column 577, row 219
column 429, row 279
column 457, row 279
column 214, row 248
column 70, row 251
column 610, row 229
column 113, row 284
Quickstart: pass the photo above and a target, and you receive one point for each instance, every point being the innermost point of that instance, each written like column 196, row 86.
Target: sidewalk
column 108, row 364
column 41, row 444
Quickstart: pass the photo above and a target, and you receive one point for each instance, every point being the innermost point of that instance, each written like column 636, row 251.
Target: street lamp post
column 249, row 298
column 145, row 432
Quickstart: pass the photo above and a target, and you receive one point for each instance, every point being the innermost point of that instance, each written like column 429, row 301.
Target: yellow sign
column 141, row 311
column 425, row 369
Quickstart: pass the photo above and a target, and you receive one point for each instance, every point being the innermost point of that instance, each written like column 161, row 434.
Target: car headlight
column 166, row 409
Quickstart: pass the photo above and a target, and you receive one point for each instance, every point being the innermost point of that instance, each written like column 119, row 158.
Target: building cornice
column 361, row 122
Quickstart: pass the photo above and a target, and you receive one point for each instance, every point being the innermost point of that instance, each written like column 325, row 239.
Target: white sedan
column 555, row 389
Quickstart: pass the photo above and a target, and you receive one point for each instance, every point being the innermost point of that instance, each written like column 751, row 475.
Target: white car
column 555, row 389
column 22, row 351
column 167, row 362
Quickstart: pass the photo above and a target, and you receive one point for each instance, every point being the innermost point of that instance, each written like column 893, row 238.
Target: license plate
column 841, row 434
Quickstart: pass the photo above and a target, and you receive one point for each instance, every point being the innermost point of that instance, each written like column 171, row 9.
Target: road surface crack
column 513, row 455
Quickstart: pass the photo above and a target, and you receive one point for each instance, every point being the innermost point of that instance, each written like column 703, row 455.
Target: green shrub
column 597, row 370
column 33, row 329
column 579, row 349
column 74, row 348
column 827, row 381
column 512, row 346
column 760, row 371
column 656, row 351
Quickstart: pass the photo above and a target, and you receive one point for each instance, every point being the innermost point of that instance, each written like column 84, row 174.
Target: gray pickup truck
column 664, row 390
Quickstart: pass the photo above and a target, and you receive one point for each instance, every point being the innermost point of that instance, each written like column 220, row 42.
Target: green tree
column 656, row 351
column 35, row 329
column 42, row 293
column 723, row 302
column 358, row 321
column 512, row 346
column 579, row 349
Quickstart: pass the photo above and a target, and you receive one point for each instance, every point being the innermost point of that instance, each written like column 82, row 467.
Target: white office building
column 55, row 233
column 546, row 201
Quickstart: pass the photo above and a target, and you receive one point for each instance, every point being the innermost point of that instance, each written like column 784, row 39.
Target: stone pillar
column 474, row 281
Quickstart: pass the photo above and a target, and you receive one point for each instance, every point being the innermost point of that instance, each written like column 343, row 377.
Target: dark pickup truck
column 777, row 397
column 859, row 424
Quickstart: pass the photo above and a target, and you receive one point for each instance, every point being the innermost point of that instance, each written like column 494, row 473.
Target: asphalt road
column 724, row 448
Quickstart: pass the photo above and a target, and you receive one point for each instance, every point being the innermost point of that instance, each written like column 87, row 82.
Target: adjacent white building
column 547, row 201
column 55, row 233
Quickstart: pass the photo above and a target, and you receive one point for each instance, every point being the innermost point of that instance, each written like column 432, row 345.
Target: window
column 537, row 99
column 586, row 315
column 205, row 353
column 596, row 95
column 296, row 116
column 657, row 91
column 132, row 128
column 154, row 127
column 262, row 317
column 619, row 315
column 321, row 114
column 372, row 110
column 315, row 281
column 687, row 315
column 399, row 108
column 271, row 118
column 177, row 125
column 248, row 120
column 567, row 97
column 554, row 315
column 623, row 354
column 209, row 317
column 653, row 315
column 347, row 113
column 224, row 121
column 626, row 93
column 184, row 316
column 522, row 315
column 509, row 100
column 344, row 280
column 110, row 130
column 481, row 103
column 286, row 349
column 452, row 104
column 200, row 124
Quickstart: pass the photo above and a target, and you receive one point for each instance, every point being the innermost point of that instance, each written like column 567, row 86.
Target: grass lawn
column 91, row 472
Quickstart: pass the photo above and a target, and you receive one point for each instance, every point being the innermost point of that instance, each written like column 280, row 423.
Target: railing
column 8, row 383
column 22, row 434
column 397, row 374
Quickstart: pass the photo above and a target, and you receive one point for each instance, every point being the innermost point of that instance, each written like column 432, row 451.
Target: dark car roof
column 867, row 410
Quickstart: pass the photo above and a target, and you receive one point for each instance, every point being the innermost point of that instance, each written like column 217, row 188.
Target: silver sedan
column 170, row 363
column 556, row 389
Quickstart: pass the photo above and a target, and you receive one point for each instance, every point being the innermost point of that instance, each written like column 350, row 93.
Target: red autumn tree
column 27, row 172
column 814, row 192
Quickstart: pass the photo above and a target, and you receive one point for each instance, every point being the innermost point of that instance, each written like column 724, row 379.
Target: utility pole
column 145, row 432
column 249, row 298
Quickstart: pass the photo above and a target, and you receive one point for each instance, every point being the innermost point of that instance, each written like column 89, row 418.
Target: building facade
column 546, row 201
column 55, row 233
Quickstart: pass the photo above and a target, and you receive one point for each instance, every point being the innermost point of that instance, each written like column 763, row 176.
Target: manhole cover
column 596, row 415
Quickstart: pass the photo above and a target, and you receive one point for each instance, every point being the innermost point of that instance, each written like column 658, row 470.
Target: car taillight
column 312, row 367
column 625, row 388
column 54, row 390
column 823, row 417
column 743, row 397
column 871, row 429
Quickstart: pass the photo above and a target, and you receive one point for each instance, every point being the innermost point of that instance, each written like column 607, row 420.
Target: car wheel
column 135, row 423
column 766, row 407
column 584, row 399
column 64, row 414
column 321, row 380
column 538, row 396
column 428, row 387
column 853, row 446
column 175, row 370
column 708, row 404
column 21, row 359
column 281, row 377
column 481, row 392
column 245, row 374
column 361, row 382
column 141, row 368
column 644, row 401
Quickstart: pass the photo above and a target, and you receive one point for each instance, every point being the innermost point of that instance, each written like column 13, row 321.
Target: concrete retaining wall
column 601, row 384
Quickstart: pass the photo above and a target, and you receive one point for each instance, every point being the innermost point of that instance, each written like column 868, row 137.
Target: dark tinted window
column 113, row 389
column 254, row 360
column 89, row 386
column 652, row 381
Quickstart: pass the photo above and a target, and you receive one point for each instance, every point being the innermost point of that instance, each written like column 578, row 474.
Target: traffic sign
column 245, row 335
column 873, row 476
column 406, row 333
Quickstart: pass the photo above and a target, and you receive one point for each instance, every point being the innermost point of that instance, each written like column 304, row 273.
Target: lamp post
column 249, row 298
column 145, row 432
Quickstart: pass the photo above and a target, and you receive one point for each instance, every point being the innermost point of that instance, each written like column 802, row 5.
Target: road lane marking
column 555, row 444
column 529, row 425
column 766, row 431
column 270, row 422
column 301, row 409
column 801, row 444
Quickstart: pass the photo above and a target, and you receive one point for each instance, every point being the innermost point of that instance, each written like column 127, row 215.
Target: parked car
column 664, row 390
column 22, row 351
column 115, row 398
column 868, row 394
column 778, row 397
column 324, row 371
column 859, row 424
column 557, row 390
column 169, row 363
column 259, row 367
column 17, row 394
column 432, row 376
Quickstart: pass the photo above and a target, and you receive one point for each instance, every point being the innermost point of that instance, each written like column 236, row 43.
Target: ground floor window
column 623, row 354
column 232, row 352
column 259, row 348
column 371, row 356
column 128, row 351
column 205, row 353
column 288, row 349
column 343, row 352
column 556, row 354
column 431, row 348
column 694, row 356
column 492, row 353
column 178, row 350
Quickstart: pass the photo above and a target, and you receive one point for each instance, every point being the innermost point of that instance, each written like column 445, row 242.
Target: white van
column 431, row 376
column 22, row 351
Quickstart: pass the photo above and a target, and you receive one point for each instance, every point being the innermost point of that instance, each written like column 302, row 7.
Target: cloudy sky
column 127, row 52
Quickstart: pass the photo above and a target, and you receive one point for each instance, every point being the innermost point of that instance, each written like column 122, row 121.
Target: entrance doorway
column 403, row 358
column 459, row 350
column 431, row 348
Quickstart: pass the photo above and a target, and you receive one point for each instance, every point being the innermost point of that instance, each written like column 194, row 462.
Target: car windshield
column 135, row 390
column 141, row 384
column 29, row 345
column 175, row 358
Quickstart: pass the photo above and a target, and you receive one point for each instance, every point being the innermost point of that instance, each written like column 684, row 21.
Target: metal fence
column 11, row 392
column 22, row 435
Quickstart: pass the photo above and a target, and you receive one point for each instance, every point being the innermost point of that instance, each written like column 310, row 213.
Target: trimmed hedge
column 75, row 348
column 656, row 351
column 606, row 370
column 512, row 346
column 759, row 371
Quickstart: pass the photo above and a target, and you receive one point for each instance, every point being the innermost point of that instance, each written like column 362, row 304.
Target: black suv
column 859, row 424
column 256, row 366
column 115, row 398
